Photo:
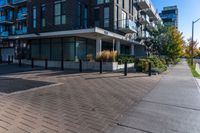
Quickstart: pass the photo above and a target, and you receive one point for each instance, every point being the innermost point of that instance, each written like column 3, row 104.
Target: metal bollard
column 20, row 62
column 32, row 63
column 8, row 59
column 0, row 59
column 149, row 68
column 125, row 68
column 101, row 67
column 80, row 66
column 62, row 64
column 46, row 64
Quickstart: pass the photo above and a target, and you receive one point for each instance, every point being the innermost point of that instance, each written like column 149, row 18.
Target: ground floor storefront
column 73, row 45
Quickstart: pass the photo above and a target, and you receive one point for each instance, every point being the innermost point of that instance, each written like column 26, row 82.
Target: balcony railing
column 21, row 15
column 21, row 31
column 127, row 26
column 143, row 4
column 6, row 19
column 4, row 33
column 18, row 1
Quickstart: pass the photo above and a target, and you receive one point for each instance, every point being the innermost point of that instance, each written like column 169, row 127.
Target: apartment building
column 169, row 16
column 13, row 21
column 72, row 29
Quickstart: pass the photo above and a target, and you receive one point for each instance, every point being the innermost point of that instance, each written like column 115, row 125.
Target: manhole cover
column 10, row 85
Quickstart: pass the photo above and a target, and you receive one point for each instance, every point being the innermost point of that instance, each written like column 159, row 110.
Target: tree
column 167, row 41
column 188, row 49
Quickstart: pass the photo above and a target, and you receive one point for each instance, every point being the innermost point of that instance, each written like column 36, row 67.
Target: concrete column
column 98, row 45
column 132, row 49
column 113, row 44
column 118, row 46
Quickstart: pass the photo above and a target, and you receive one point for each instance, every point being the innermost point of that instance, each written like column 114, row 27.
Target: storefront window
column 35, row 48
column 45, row 49
column 56, row 49
column 69, row 49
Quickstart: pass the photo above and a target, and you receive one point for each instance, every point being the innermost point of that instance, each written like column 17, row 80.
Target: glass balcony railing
column 21, row 31
column 127, row 26
column 5, row 19
column 22, row 14
column 3, row 2
column 18, row 1
column 4, row 33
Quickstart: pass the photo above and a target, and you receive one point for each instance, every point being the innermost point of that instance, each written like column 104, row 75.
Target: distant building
column 169, row 15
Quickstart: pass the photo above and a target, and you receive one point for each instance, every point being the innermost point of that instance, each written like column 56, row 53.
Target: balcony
column 127, row 26
column 5, row 3
column 18, row 1
column 143, row 4
column 4, row 33
column 144, row 20
column 151, row 11
column 5, row 19
column 22, row 13
column 21, row 31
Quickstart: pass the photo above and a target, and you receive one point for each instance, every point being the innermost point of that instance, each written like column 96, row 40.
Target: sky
column 189, row 10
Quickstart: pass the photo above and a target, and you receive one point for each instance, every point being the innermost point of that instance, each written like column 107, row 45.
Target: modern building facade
column 72, row 29
column 169, row 16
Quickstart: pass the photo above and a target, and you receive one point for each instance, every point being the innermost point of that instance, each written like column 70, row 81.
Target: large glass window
column 81, row 48
column 56, row 49
column 59, row 12
column 69, row 49
column 97, row 17
column 45, row 48
column 106, row 16
column 85, row 18
column 102, row 1
column 35, row 49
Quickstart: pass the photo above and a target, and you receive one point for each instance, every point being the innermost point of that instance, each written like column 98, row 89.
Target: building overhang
column 92, row 33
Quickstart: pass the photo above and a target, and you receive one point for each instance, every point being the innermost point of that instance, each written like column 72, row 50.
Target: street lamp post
column 193, row 22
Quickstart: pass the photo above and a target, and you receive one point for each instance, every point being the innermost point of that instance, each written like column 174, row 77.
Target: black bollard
column 32, row 63
column 62, row 64
column 46, row 64
column 8, row 59
column 80, row 66
column 101, row 67
column 149, row 68
column 0, row 59
column 20, row 62
column 125, row 68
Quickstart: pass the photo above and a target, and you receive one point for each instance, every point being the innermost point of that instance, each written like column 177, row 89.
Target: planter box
column 107, row 66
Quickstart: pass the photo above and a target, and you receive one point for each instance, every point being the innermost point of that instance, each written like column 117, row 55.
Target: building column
column 118, row 47
column 132, row 49
column 98, row 46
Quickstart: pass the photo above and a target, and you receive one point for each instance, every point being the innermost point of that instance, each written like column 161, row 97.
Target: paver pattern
column 81, row 103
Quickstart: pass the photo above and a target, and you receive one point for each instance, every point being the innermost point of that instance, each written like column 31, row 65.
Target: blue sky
column 189, row 10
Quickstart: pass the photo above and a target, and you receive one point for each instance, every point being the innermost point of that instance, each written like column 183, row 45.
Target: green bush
column 122, row 58
column 158, row 64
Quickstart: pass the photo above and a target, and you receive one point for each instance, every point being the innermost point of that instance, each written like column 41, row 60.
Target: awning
column 92, row 33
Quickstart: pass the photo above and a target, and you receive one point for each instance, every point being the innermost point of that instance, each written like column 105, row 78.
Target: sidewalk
column 172, row 107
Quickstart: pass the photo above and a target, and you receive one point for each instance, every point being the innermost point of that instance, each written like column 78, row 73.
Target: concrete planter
column 86, row 65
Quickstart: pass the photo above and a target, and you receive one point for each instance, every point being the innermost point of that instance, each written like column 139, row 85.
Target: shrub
column 107, row 56
column 122, row 58
column 158, row 65
column 89, row 57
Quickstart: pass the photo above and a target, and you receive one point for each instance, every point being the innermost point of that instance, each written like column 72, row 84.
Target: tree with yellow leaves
column 188, row 49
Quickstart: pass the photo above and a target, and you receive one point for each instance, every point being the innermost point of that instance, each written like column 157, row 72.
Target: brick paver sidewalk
column 80, row 103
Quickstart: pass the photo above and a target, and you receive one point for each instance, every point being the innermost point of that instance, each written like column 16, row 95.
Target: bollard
column 62, row 64
column 101, row 67
column 46, row 64
column 80, row 66
column 8, row 59
column 0, row 59
column 20, row 62
column 32, row 63
column 149, row 68
column 125, row 68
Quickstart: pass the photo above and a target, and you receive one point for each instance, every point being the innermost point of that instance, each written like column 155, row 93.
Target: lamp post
column 193, row 22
